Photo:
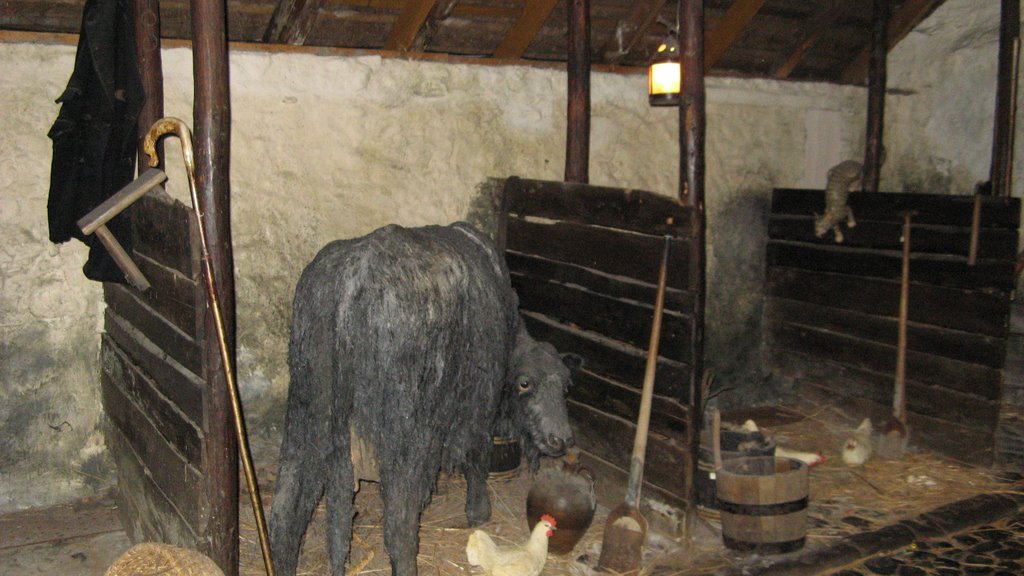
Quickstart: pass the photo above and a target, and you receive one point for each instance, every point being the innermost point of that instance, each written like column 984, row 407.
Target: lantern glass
column 664, row 75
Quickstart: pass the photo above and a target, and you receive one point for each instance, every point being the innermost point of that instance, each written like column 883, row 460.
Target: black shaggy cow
column 406, row 352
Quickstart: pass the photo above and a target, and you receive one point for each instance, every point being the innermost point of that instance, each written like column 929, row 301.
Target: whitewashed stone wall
column 327, row 147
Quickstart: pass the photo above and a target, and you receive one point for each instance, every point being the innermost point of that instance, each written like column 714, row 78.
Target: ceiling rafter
column 439, row 13
column 408, row 24
column 531, row 20
column 813, row 30
column 632, row 29
column 728, row 30
column 902, row 22
column 292, row 21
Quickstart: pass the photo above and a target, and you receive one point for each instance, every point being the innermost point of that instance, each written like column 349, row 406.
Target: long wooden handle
column 899, row 400
column 643, row 422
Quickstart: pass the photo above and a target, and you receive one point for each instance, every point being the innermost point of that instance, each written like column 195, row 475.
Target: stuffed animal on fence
column 843, row 178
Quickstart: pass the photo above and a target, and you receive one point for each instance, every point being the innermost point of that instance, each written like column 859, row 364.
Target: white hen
column 521, row 560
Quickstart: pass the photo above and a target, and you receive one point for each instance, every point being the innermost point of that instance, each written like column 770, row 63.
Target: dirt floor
column 84, row 538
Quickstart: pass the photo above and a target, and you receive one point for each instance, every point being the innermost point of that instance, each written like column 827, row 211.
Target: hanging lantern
column 664, row 75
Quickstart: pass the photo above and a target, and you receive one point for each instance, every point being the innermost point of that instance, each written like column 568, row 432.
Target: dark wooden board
column 979, row 312
column 939, row 270
column 129, row 390
column 163, row 233
column 881, row 359
column 611, row 360
column 668, row 417
column 611, row 439
column 635, row 210
column 628, row 254
column 163, row 334
column 621, row 320
column 181, row 387
column 618, row 287
column 172, row 295
column 146, row 512
column 941, row 209
column 955, row 344
column 610, row 488
column 999, row 243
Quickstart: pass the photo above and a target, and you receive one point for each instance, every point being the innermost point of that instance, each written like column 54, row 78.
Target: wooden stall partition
column 832, row 311
column 584, row 262
column 153, row 389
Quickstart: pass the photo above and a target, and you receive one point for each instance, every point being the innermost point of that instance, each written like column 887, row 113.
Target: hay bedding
column 843, row 501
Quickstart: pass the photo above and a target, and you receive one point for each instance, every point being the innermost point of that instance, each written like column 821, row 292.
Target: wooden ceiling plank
column 292, row 21
column 531, row 20
column 409, row 22
column 728, row 30
column 813, row 30
column 902, row 23
column 631, row 30
column 441, row 11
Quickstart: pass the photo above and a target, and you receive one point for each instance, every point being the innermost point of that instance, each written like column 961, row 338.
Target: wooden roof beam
column 631, row 30
column 408, row 24
column 812, row 31
column 902, row 22
column 292, row 21
column 441, row 11
column 728, row 30
column 531, row 20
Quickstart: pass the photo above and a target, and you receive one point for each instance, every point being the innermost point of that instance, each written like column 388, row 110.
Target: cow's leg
column 299, row 487
column 478, row 501
column 405, row 494
column 340, row 503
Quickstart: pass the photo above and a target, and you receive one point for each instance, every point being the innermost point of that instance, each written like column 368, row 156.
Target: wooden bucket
column 763, row 504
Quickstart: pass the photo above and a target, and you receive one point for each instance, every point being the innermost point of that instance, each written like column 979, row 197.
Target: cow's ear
column 573, row 362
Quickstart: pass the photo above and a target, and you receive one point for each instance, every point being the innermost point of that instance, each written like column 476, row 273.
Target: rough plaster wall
column 51, row 446
column 329, row 147
column 939, row 134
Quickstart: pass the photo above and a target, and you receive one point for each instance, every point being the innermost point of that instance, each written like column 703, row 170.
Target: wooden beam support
column 900, row 24
column 1001, row 173
column 292, row 21
column 728, row 30
column 408, row 24
column 535, row 13
column 873, row 149
column 577, row 145
column 691, row 182
column 439, row 13
column 813, row 30
column 212, row 130
column 146, row 15
column 631, row 30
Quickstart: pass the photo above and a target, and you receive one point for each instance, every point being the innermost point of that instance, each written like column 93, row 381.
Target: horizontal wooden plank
column 625, row 209
column 628, row 254
column 129, row 389
column 998, row 243
column 618, row 287
column 845, row 382
column 167, row 337
column 942, row 209
column 172, row 380
column 172, row 295
column 610, row 359
column 668, row 416
column 978, row 312
column 870, row 356
column 621, row 320
column 611, row 439
column 148, row 513
column 955, row 344
column 162, row 232
column 929, row 269
column 666, row 517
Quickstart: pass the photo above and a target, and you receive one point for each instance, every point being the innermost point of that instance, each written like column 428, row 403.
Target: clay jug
column 567, row 494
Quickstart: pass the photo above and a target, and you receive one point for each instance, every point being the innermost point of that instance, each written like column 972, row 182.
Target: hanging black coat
column 94, row 136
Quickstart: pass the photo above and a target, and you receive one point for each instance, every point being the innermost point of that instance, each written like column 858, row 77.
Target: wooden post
column 873, row 149
column 1001, row 173
column 577, row 144
column 146, row 15
column 212, row 132
column 691, row 193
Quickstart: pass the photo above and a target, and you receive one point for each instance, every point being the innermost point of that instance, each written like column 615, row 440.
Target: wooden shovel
column 896, row 432
column 626, row 528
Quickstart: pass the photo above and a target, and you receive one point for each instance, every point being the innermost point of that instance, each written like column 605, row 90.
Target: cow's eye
column 524, row 384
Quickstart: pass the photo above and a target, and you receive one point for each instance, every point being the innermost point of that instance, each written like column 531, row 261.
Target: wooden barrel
column 763, row 504
column 735, row 444
column 506, row 455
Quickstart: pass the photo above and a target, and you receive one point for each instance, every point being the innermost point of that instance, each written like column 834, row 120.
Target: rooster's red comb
column 549, row 518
